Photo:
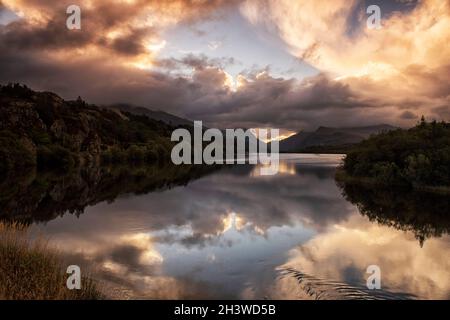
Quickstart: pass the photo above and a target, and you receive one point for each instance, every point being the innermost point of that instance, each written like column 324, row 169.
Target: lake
column 233, row 234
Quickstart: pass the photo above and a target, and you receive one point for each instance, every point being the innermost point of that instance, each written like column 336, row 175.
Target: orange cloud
column 127, row 30
column 317, row 32
column 390, row 75
column 403, row 65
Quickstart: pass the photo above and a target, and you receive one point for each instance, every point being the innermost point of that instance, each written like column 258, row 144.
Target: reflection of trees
column 425, row 214
column 44, row 196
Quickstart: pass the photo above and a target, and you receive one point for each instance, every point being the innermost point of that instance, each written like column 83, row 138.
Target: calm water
column 234, row 234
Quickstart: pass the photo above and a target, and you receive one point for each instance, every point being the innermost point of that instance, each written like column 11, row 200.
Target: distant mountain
column 170, row 119
column 326, row 137
column 158, row 115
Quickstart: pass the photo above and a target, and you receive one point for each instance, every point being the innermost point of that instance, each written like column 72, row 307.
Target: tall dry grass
column 30, row 270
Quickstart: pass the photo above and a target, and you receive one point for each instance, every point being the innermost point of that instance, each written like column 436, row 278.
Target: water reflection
column 424, row 214
column 346, row 249
column 34, row 197
column 228, row 233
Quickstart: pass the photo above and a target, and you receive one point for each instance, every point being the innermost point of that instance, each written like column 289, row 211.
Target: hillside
column 418, row 157
column 158, row 115
column 41, row 129
column 325, row 138
column 173, row 120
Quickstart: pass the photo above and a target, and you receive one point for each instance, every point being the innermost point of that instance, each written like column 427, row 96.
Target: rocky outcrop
column 50, row 128
column 19, row 116
column 45, row 115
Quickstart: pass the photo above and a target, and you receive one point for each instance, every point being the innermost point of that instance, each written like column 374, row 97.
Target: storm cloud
column 362, row 77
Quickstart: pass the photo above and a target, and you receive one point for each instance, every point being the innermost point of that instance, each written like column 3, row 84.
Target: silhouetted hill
column 40, row 128
column 418, row 157
column 330, row 138
column 158, row 115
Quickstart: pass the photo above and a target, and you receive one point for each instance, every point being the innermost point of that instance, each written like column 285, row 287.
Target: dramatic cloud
column 403, row 65
column 129, row 28
column 364, row 76
column 319, row 33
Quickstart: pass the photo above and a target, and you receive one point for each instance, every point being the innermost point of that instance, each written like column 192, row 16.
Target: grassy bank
column 30, row 270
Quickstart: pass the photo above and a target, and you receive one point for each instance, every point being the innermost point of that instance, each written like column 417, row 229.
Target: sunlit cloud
column 232, row 221
column 376, row 63
column 393, row 75
column 318, row 32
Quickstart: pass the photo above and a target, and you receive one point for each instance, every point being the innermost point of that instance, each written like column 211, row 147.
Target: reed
column 31, row 270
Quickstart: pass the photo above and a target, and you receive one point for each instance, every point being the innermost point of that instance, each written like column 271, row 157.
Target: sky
column 287, row 64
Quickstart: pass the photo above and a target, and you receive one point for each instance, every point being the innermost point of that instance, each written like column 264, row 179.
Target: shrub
column 13, row 154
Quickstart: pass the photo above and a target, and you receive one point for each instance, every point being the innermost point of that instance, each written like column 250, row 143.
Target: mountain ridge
column 157, row 115
column 331, row 137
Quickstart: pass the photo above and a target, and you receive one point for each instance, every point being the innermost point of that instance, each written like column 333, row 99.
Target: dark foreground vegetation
column 40, row 129
column 417, row 158
column 30, row 270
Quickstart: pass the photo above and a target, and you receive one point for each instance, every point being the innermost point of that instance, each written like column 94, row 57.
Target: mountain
column 158, row 115
column 330, row 138
column 173, row 120
column 40, row 129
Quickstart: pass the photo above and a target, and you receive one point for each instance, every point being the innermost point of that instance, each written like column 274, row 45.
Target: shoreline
column 342, row 176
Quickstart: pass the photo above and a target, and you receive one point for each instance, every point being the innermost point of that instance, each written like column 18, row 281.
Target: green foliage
column 64, row 131
column 416, row 157
column 152, row 152
column 13, row 153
